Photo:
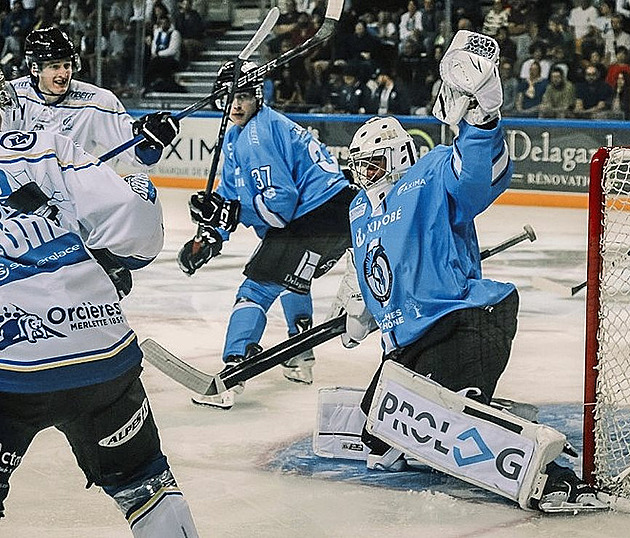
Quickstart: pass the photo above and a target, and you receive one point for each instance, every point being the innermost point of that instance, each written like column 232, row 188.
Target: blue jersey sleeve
column 481, row 169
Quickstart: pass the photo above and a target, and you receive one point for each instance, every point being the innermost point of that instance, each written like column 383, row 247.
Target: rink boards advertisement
column 551, row 157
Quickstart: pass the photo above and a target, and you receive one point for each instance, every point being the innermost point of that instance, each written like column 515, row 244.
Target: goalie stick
column 548, row 284
column 209, row 384
column 326, row 30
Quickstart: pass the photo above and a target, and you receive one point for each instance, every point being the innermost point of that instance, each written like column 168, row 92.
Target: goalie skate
column 568, row 500
column 565, row 492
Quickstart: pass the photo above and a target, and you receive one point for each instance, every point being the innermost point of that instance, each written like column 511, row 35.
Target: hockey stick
column 261, row 34
column 326, row 30
column 208, row 384
column 547, row 284
column 527, row 234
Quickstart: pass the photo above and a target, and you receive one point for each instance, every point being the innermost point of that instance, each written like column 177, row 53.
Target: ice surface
column 220, row 457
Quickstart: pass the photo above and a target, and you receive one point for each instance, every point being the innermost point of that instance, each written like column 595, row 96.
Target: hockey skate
column 566, row 493
column 224, row 400
column 392, row 461
column 300, row 369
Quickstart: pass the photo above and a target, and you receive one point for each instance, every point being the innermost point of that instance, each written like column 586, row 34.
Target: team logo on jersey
column 67, row 124
column 17, row 325
column 377, row 271
column 18, row 141
column 413, row 307
column 359, row 238
column 142, row 186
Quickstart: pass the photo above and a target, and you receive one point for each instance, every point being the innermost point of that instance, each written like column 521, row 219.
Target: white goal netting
column 611, row 436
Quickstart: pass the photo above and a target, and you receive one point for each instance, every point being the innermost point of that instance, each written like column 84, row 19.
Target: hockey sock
column 296, row 307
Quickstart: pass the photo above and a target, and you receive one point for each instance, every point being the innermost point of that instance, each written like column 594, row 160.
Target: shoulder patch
column 142, row 186
column 18, row 140
column 358, row 211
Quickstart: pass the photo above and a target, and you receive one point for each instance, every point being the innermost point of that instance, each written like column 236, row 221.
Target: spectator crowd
column 172, row 34
column 559, row 59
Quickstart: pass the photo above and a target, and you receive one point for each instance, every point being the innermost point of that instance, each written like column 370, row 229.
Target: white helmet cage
column 381, row 143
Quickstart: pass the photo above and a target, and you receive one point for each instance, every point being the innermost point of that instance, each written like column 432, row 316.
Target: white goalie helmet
column 381, row 152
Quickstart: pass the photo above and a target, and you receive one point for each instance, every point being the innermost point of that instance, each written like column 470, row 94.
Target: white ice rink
column 218, row 457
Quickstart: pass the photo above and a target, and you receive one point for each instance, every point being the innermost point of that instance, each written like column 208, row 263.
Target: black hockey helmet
column 225, row 77
column 49, row 44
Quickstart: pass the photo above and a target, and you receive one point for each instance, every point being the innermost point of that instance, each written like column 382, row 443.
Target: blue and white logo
column 17, row 325
column 378, row 273
column 18, row 141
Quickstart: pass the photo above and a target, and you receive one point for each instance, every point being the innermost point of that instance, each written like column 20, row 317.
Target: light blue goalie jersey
column 277, row 170
column 417, row 255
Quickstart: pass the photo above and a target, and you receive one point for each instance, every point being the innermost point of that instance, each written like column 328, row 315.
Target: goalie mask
column 381, row 152
column 225, row 78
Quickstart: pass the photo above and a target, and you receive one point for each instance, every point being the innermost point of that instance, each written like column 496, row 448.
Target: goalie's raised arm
column 471, row 86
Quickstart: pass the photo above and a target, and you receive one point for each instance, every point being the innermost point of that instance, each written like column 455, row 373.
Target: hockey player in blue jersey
column 279, row 180
column 68, row 358
column 418, row 260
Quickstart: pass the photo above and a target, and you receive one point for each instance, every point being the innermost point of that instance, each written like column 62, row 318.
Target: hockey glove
column 159, row 129
column 213, row 211
column 471, row 87
column 196, row 253
column 119, row 275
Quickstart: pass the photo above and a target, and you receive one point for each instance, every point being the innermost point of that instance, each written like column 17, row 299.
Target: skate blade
column 571, row 508
column 224, row 404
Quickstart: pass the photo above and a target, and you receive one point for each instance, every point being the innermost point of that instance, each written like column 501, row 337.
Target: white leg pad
column 490, row 448
column 165, row 515
column 339, row 425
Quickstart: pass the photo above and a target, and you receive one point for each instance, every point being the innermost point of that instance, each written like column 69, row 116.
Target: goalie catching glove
column 199, row 251
column 159, row 129
column 211, row 210
column 471, row 86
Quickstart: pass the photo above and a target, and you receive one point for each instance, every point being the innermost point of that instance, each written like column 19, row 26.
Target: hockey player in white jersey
column 50, row 99
column 418, row 260
column 279, row 180
column 68, row 358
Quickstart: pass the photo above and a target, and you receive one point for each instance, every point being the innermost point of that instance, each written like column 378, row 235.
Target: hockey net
column 606, row 453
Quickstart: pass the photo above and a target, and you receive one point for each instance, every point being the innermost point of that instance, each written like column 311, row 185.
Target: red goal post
column 606, row 430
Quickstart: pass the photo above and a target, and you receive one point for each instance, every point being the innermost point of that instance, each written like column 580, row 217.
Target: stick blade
column 334, row 9
column 261, row 34
column 547, row 284
column 178, row 370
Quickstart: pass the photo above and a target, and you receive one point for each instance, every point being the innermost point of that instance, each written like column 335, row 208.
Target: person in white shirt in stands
column 165, row 54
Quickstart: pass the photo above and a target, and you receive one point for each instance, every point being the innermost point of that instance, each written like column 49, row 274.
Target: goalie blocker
column 492, row 449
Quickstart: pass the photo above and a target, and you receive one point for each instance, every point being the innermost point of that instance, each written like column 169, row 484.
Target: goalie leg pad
column 492, row 449
column 339, row 425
